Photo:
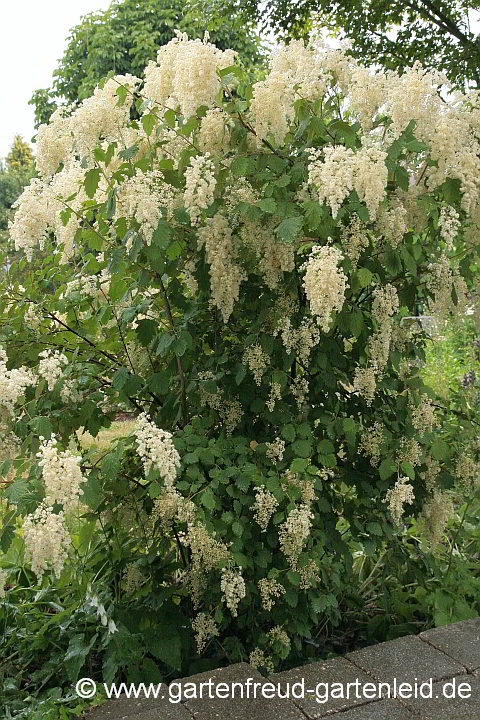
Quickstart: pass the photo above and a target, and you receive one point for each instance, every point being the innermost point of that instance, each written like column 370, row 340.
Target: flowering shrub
column 235, row 269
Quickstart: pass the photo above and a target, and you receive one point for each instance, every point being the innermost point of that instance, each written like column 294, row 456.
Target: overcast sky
column 33, row 38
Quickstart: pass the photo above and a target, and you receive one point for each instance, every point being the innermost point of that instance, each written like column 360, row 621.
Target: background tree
column 392, row 33
column 14, row 175
column 126, row 36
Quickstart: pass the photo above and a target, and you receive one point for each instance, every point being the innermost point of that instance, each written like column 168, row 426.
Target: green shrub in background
column 233, row 268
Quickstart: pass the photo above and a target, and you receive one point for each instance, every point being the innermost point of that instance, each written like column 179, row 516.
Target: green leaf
column 299, row 465
column 146, row 330
column 440, row 450
column 165, row 642
column 122, row 93
column 237, row 528
column 77, row 652
column 313, row 214
column 325, row 447
column 128, row 153
column 363, row 277
column 294, row 577
column 268, row 205
column 111, row 204
column 148, row 123
column 356, row 322
column 164, row 342
column 288, row 433
column 302, row 448
column 41, row 426
column 289, row 228
column 207, row 498
column 90, row 183
column 242, row 166
column 374, row 528
column 408, row 470
column 387, row 468
column 120, row 378
column 159, row 383
column 343, row 129
column 162, row 233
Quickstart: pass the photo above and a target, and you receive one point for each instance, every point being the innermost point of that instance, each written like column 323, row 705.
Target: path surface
column 447, row 659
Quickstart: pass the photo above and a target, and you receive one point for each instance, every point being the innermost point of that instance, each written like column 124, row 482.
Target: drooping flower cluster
column 371, row 442
column 214, row 133
column 257, row 360
column 185, row 74
column 436, row 512
column 354, row 240
column 156, row 448
column 51, row 366
column 270, row 591
column 423, row 415
column 365, row 383
column 275, row 450
column 296, row 71
column 143, row 196
column 410, row 451
column 275, row 394
column 278, row 635
column 294, row 533
column 449, row 224
column 61, row 473
column 384, row 306
column 200, row 185
column 335, row 171
column 13, row 383
column 259, row 660
column 233, row 588
column 325, row 283
column 264, row 506
column 398, row 496
column 225, row 274
column 46, row 540
column 299, row 340
column 205, row 628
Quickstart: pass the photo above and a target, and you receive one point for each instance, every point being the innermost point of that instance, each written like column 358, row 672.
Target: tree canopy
column 14, row 175
column 126, row 36
column 392, row 33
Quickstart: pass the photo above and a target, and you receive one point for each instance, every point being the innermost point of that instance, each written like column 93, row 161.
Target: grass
column 104, row 439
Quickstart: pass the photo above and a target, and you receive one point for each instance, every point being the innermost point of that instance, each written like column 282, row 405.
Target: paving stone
column 439, row 707
column 461, row 641
column 314, row 676
column 232, row 706
column 407, row 659
column 381, row 710
column 139, row 709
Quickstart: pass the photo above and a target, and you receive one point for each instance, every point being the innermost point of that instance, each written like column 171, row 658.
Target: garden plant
column 234, row 265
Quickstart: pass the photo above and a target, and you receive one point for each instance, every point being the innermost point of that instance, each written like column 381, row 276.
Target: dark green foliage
column 126, row 36
column 437, row 33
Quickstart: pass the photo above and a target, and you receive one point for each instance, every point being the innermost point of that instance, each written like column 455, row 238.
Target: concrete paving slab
column 381, row 710
column 139, row 709
column 320, row 678
column 461, row 641
column 440, row 707
column 407, row 659
column 237, row 692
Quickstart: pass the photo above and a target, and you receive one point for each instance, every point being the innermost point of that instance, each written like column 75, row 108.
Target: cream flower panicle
column 325, row 283
column 156, row 448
